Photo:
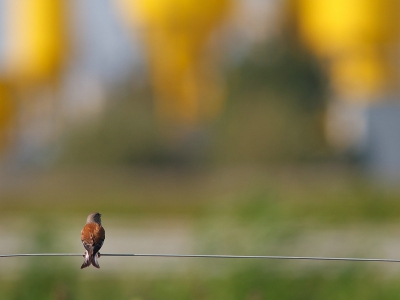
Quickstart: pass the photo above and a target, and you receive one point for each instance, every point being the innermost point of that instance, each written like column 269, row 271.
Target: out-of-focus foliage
column 185, row 82
column 34, row 48
column 7, row 116
column 32, row 56
column 266, row 119
column 45, row 278
column 357, row 39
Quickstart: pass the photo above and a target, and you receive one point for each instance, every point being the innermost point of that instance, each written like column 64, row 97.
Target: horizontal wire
column 216, row 256
column 40, row 254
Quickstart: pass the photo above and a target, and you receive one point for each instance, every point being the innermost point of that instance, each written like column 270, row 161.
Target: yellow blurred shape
column 34, row 40
column 333, row 25
column 176, row 33
column 357, row 37
column 360, row 75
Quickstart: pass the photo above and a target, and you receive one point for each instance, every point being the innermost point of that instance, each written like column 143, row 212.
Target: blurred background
column 248, row 127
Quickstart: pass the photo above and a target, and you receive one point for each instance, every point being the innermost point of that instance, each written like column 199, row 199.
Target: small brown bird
column 92, row 236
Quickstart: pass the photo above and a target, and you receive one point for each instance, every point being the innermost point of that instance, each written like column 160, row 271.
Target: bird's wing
column 99, row 236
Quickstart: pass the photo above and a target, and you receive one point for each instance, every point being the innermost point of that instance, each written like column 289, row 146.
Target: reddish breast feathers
column 92, row 234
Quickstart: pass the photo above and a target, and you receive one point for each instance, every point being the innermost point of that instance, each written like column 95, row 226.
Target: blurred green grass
column 327, row 194
column 246, row 210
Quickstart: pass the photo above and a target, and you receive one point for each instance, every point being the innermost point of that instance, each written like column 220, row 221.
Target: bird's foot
column 98, row 254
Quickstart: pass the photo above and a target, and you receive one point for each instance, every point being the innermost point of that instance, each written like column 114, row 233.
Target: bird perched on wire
column 92, row 236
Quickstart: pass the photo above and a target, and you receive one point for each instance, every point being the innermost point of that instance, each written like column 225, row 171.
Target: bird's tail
column 87, row 261
column 90, row 259
column 95, row 263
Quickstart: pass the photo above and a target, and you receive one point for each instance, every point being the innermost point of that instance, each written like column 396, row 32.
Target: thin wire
column 40, row 254
column 359, row 259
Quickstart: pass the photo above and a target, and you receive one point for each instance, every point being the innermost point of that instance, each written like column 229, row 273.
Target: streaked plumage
column 92, row 237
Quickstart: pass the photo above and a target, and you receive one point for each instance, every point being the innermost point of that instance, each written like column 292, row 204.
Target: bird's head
column 94, row 218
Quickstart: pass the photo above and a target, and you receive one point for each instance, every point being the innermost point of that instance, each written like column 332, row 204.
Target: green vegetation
column 251, row 213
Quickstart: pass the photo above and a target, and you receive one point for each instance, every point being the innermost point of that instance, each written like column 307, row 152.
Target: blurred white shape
column 84, row 97
column 103, row 45
column 253, row 22
column 346, row 126
column 383, row 142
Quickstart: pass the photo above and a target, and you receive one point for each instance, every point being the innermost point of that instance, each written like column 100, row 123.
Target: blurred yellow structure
column 7, row 113
column 358, row 39
column 176, row 32
column 34, row 47
column 34, row 42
